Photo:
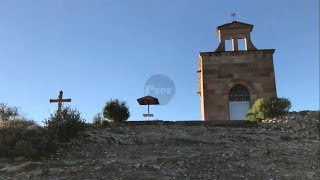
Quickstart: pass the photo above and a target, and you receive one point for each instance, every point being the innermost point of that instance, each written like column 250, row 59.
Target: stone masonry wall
column 221, row 71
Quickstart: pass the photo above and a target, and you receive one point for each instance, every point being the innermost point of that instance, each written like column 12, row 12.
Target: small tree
column 116, row 110
column 66, row 124
column 268, row 108
column 8, row 112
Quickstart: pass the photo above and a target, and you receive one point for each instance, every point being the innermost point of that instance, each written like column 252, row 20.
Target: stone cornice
column 237, row 53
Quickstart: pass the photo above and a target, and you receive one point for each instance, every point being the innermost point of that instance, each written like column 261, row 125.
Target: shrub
column 268, row 108
column 97, row 119
column 116, row 110
column 66, row 125
column 8, row 112
column 20, row 137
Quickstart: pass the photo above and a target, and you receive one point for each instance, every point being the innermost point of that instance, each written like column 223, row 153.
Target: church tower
column 230, row 80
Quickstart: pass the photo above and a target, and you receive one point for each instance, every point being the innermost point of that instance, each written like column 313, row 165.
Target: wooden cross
column 233, row 15
column 59, row 101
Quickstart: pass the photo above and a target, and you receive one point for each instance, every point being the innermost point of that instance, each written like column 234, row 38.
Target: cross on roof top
column 233, row 15
column 59, row 100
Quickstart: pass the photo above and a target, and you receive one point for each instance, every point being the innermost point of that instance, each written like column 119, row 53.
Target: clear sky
column 95, row 50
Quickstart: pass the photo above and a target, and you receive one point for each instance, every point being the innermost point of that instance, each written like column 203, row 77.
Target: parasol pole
column 148, row 112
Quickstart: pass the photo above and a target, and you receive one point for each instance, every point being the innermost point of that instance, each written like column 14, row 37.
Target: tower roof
column 235, row 25
column 234, row 31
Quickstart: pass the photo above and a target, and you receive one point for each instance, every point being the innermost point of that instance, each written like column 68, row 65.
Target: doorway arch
column 239, row 102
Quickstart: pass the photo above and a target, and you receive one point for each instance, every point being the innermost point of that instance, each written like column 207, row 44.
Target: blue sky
column 95, row 50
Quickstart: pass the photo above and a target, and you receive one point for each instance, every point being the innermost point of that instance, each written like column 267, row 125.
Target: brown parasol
column 148, row 100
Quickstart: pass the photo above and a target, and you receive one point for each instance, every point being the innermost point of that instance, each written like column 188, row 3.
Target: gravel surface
column 281, row 148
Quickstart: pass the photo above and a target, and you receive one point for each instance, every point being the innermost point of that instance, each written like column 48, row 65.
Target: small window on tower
column 228, row 45
column 242, row 45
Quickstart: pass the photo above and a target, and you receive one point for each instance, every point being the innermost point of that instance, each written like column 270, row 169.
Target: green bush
column 8, row 112
column 66, row 125
column 268, row 108
column 20, row 137
column 116, row 110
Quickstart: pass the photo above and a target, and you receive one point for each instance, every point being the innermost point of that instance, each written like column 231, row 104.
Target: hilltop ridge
column 286, row 147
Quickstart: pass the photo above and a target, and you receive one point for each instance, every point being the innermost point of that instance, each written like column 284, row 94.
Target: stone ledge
column 237, row 53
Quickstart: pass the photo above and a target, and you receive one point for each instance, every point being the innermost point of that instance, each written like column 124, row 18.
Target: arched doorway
column 239, row 102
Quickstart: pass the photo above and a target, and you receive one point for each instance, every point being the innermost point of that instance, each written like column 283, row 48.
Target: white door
column 238, row 109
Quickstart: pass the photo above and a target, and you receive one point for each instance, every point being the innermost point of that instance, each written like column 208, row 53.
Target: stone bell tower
column 229, row 81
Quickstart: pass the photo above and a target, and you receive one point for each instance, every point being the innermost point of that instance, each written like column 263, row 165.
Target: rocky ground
column 281, row 148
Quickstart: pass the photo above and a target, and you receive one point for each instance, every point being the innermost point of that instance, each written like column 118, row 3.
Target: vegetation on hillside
column 20, row 137
column 8, row 112
column 116, row 110
column 268, row 108
column 65, row 125
column 97, row 119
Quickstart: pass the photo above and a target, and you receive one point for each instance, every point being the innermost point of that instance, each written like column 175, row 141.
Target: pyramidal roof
column 235, row 25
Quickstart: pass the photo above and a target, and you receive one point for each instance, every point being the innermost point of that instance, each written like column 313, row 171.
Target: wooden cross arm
column 58, row 100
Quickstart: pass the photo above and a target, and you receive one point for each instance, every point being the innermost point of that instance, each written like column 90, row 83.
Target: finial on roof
column 233, row 15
